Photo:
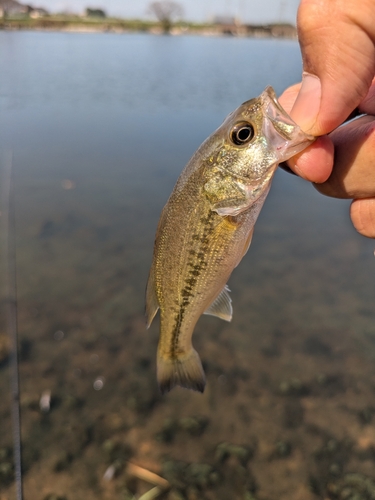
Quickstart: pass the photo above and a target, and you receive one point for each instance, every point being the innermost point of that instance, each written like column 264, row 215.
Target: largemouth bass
column 206, row 228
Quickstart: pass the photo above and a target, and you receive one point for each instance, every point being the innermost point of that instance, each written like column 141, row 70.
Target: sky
column 250, row 11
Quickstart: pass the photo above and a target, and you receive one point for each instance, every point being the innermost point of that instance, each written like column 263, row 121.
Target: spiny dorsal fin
column 221, row 306
column 152, row 304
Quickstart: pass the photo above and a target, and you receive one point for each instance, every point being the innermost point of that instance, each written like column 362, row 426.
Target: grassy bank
column 91, row 24
column 75, row 22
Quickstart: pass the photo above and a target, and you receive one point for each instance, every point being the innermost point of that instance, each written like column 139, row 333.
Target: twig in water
column 148, row 476
column 151, row 494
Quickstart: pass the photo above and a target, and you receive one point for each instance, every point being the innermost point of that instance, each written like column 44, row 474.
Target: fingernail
column 307, row 105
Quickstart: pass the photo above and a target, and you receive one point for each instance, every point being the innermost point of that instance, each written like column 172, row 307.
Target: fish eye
column 242, row 133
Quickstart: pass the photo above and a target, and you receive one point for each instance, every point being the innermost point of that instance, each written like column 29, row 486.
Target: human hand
column 337, row 44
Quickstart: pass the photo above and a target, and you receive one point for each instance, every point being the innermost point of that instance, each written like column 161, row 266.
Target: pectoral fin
column 221, row 306
column 152, row 304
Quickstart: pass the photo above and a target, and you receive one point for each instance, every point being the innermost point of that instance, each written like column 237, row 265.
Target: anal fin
column 152, row 305
column 221, row 306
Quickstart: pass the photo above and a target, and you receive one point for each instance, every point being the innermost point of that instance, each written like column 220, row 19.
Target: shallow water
column 100, row 126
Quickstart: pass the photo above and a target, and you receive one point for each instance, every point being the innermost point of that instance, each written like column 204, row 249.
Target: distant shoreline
column 86, row 25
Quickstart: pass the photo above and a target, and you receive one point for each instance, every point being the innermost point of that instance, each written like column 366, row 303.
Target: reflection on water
column 100, row 127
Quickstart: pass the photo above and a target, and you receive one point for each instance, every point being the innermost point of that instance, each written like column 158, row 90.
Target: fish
column 206, row 228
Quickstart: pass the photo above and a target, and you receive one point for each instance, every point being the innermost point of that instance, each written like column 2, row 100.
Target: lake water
column 100, row 126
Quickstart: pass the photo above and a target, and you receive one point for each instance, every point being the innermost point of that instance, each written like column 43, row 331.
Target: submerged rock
column 283, row 449
column 352, row 487
column 174, row 472
column 6, row 466
column 201, row 475
column 63, row 461
column 168, row 431
column 226, row 450
column 195, row 426
column 6, row 472
column 115, row 451
column 365, row 415
column 294, row 387
column 184, row 477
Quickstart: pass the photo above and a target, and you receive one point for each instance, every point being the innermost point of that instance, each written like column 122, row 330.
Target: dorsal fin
column 221, row 306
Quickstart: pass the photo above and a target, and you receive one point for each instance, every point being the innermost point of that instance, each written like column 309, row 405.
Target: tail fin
column 186, row 371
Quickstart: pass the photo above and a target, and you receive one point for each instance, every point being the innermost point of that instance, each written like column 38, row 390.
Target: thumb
column 337, row 45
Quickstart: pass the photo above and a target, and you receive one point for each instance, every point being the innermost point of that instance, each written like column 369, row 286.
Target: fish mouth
column 281, row 131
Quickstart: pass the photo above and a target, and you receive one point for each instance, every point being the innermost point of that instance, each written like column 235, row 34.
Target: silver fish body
column 206, row 228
